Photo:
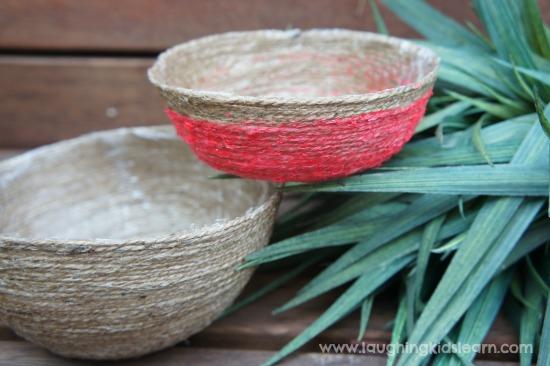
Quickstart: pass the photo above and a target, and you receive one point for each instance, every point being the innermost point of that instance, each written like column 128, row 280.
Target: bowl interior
column 121, row 184
column 286, row 63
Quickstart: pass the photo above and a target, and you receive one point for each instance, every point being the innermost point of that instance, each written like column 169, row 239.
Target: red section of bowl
column 310, row 151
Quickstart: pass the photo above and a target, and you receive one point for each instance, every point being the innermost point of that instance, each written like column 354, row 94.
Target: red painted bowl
column 295, row 106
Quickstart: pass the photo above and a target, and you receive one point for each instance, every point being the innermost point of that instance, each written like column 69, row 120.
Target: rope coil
column 116, row 244
column 295, row 106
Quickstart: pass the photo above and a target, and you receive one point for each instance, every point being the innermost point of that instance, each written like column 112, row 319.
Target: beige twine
column 280, row 76
column 116, row 244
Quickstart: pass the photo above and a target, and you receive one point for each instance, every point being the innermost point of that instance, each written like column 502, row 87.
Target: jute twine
column 291, row 105
column 117, row 244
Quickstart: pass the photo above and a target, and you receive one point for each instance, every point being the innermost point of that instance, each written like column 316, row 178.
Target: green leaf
column 501, row 140
column 418, row 213
column 345, row 304
column 380, row 265
column 443, row 359
column 366, row 308
column 513, row 129
column 485, row 248
column 472, row 267
column 437, row 102
column 429, row 236
column 460, row 80
column 544, row 122
column 432, row 24
column 523, row 83
column 378, row 20
column 502, row 20
column 389, row 253
column 534, row 79
column 545, row 125
column 474, row 71
column 500, row 152
column 452, row 245
column 436, row 118
column 275, row 284
column 461, row 207
column 536, row 276
column 481, row 315
column 357, row 227
column 541, row 76
column 499, row 180
column 477, row 140
column 517, row 292
column 452, row 356
column 398, row 332
column 496, row 109
column 515, row 104
column 530, row 320
column 535, row 28
column 538, row 75
column 357, row 203
column 544, row 347
column 410, row 291
column 480, row 34
column 538, row 234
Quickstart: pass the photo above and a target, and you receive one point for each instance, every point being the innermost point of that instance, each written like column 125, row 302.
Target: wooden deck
column 69, row 67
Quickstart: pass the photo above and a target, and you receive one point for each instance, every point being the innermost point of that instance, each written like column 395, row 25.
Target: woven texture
column 117, row 244
column 295, row 106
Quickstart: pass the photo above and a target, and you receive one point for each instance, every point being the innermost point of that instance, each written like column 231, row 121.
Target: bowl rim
column 269, row 200
column 216, row 97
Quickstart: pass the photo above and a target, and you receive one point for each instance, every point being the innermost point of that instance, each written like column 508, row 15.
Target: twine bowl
column 117, row 243
column 295, row 106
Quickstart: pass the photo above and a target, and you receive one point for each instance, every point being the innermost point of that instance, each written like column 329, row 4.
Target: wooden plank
column 45, row 99
column 19, row 354
column 152, row 25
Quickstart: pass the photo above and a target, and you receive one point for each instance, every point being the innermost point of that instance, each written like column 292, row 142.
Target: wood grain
column 45, row 99
column 152, row 25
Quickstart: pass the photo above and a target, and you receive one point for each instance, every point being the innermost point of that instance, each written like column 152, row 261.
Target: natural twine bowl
column 295, row 106
column 116, row 244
